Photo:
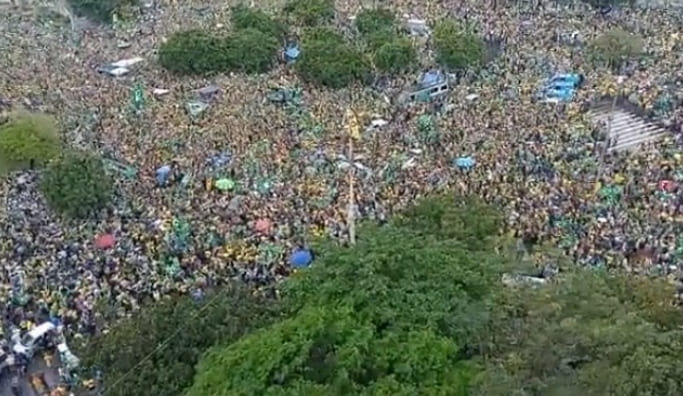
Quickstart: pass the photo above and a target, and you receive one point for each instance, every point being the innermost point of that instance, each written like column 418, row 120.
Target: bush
column 614, row 47
column 370, row 21
column 310, row 12
column 328, row 60
column 99, row 10
column 243, row 17
column 251, row 51
column 76, row 185
column 29, row 138
column 194, row 52
column 456, row 48
column 395, row 56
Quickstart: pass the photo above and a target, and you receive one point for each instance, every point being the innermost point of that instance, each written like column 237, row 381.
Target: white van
column 30, row 340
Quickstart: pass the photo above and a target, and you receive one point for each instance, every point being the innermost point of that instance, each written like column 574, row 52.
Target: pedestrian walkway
column 627, row 130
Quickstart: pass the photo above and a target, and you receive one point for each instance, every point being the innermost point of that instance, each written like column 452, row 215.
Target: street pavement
column 51, row 376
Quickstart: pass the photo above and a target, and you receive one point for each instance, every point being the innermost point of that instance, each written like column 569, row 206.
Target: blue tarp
column 301, row 258
column 432, row 77
column 561, row 87
column 465, row 163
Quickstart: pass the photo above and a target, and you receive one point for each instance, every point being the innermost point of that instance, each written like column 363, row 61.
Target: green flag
column 611, row 194
column 138, row 99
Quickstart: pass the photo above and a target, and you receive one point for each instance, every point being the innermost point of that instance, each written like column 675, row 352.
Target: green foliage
column 457, row 48
column 28, row 137
column 194, row 52
column 328, row 352
column 251, row 51
column 396, row 314
column 589, row 334
column 615, row 47
column 310, row 12
column 224, row 317
column 243, row 17
column 371, row 21
column 76, row 185
column 395, row 56
column 328, row 60
column 99, row 10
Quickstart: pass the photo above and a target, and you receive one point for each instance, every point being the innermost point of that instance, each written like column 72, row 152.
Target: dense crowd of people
column 547, row 165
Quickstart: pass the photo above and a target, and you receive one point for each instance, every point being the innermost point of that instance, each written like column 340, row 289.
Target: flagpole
column 350, row 210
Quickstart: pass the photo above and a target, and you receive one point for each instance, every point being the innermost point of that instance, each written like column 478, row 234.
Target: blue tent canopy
column 301, row 258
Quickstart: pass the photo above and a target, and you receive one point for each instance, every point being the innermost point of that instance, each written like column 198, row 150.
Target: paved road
column 37, row 365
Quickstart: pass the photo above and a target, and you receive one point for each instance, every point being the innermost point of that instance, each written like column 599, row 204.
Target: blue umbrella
column 301, row 258
column 162, row 174
column 465, row 163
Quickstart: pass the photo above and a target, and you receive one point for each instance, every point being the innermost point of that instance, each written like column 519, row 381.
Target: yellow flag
column 352, row 124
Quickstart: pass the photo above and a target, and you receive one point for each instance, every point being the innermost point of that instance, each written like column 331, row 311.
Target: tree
column 329, row 352
column 371, row 21
column 591, row 333
column 194, row 52
column 615, row 47
column 399, row 313
column 310, row 12
column 456, row 47
column 28, row 139
column 251, row 51
column 99, row 10
column 77, row 185
column 243, row 17
column 328, row 60
column 186, row 328
column 395, row 56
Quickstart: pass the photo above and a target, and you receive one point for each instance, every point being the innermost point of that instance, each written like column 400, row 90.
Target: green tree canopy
column 614, row 47
column 399, row 312
column 247, row 50
column 310, row 12
column 243, row 17
column 194, row 52
column 457, row 48
column 27, row 138
column 328, row 59
column 99, row 10
column 372, row 20
column 395, row 56
column 591, row 333
column 251, row 51
column 77, row 185
column 327, row 351
column 188, row 327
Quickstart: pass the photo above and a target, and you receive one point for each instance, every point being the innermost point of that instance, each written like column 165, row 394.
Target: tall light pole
column 354, row 134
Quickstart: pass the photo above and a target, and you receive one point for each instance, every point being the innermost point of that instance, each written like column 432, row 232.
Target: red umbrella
column 105, row 241
column 262, row 226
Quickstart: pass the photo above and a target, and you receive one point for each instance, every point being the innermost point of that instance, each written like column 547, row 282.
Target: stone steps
column 628, row 130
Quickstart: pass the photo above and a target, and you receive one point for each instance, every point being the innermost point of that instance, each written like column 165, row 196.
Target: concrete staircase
column 627, row 129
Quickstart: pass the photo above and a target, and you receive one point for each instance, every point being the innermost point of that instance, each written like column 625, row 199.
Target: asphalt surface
column 51, row 376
